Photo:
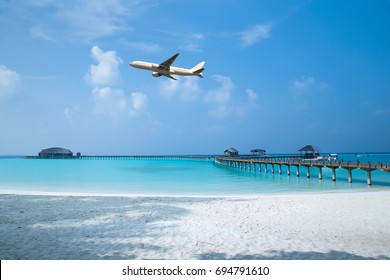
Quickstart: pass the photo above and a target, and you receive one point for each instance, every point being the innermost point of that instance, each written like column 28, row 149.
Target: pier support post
column 288, row 170
column 308, row 171
column 369, row 182
column 280, row 169
column 259, row 167
column 333, row 174
column 319, row 173
column 297, row 170
column 349, row 175
column 265, row 168
column 272, row 168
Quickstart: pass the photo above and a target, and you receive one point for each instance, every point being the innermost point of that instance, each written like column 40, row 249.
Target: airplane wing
column 167, row 63
column 169, row 76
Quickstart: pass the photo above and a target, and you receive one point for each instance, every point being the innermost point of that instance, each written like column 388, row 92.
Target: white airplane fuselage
column 155, row 68
column 166, row 69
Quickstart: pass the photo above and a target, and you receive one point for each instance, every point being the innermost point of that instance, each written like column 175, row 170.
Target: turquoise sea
column 175, row 177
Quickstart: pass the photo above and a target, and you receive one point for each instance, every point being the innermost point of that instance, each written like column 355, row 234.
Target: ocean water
column 175, row 177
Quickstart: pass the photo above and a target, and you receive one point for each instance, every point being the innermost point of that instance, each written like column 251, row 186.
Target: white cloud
column 250, row 103
column 305, row 83
column 71, row 114
column 114, row 102
column 252, row 96
column 199, row 36
column 109, row 101
column 187, row 88
column 219, row 98
column 382, row 112
column 191, row 47
column 92, row 19
column 255, row 34
column 156, row 126
column 38, row 33
column 304, row 89
column 146, row 47
column 192, row 42
column 139, row 102
column 168, row 88
column 106, row 72
column 41, row 3
column 186, row 41
column 9, row 81
column 80, row 19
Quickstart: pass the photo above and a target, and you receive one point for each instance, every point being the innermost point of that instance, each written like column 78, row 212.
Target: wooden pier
column 131, row 157
column 251, row 163
column 256, row 164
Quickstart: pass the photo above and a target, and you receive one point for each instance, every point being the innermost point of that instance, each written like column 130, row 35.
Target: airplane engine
column 156, row 74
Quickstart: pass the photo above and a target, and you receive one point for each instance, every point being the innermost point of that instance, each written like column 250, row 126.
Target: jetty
column 129, row 157
column 258, row 164
column 257, row 161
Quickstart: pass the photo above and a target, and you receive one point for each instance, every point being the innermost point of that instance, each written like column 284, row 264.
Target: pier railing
column 258, row 163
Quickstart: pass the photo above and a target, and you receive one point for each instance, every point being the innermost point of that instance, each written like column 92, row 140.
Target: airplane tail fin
column 198, row 69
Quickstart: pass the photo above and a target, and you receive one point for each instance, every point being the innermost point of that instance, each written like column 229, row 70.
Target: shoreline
column 352, row 225
column 189, row 195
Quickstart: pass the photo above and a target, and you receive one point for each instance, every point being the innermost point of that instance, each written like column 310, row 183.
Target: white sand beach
column 302, row 226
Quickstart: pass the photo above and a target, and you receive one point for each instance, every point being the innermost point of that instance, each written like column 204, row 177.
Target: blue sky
column 279, row 75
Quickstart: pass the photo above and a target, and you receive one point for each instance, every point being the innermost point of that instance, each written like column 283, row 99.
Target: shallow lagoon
column 174, row 177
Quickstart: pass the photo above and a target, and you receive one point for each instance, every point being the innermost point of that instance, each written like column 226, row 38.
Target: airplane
column 165, row 68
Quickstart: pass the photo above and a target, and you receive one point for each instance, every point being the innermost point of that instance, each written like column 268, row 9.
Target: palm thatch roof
column 55, row 151
column 258, row 151
column 231, row 150
column 309, row 148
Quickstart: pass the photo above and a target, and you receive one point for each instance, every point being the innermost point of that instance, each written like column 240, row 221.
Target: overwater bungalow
column 309, row 151
column 258, row 152
column 55, row 152
column 230, row 152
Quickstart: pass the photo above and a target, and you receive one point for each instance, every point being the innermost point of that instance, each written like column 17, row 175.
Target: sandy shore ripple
column 313, row 226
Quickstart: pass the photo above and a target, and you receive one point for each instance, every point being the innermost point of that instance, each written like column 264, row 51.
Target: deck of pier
column 132, row 157
column 252, row 163
column 297, row 161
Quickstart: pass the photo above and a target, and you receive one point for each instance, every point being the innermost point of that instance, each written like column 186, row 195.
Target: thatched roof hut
column 258, row 152
column 230, row 152
column 55, row 152
column 310, row 151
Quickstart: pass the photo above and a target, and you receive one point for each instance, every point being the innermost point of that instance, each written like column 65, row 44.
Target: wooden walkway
column 256, row 164
column 126, row 157
column 253, row 163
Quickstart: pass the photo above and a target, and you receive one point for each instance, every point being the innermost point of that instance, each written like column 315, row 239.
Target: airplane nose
column 131, row 63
